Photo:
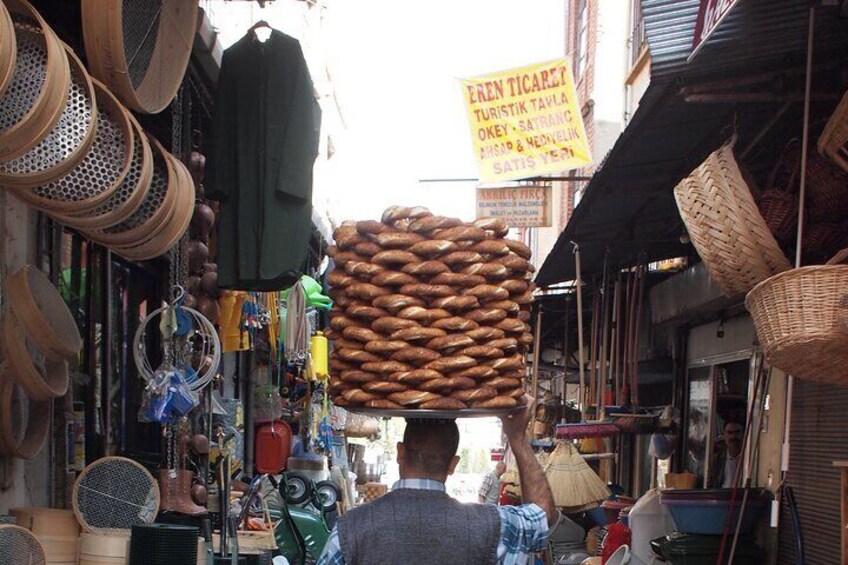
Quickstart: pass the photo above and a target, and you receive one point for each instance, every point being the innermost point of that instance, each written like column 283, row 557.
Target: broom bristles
column 574, row 484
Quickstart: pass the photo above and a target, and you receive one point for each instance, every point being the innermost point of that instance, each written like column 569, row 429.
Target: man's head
column 428, row 449
column 500, row 468
column 733, row 437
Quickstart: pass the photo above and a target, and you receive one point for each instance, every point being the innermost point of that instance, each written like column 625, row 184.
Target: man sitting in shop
column 723, row 472
column 490, row 488
column 417, row 522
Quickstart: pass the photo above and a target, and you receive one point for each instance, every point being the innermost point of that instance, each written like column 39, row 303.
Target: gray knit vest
column 411, row 527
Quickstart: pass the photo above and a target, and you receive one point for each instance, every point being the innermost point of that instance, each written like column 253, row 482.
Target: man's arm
column 534, row 484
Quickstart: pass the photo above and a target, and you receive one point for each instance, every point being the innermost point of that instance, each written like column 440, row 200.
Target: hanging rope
column 297, row 326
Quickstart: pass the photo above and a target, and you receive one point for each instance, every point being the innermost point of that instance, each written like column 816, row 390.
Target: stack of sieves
column 163, row 544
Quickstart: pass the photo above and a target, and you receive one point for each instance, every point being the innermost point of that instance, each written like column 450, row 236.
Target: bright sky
column 394, row 67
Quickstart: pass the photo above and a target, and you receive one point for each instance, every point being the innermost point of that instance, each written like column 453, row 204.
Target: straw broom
column 575, row 486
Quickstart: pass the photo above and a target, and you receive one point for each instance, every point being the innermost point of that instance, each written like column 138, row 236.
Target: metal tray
column 434, row 414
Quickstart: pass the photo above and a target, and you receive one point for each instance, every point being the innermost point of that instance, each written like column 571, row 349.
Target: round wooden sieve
column 41, row 378
column 40, row 308
column 35, row 98
column 24, row 422
column 8, row 48
column 140, row 48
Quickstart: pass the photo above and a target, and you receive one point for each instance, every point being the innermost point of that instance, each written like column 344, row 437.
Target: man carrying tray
column 417, row 522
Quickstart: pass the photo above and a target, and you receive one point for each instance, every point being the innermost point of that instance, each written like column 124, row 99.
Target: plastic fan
column 18, row 546
column 114, row 494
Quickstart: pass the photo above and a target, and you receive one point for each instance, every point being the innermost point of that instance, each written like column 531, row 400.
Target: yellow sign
column 518, row 206
column 526, row 122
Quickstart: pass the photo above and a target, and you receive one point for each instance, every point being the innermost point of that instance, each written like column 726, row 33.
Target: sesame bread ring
column 424, row 315
column 444, row 404
column 524, row 316
column 519, row 248
column 383, row 404
column 343, row 343
column 385, row 347
column 493, row 247
column 394, row 213
column 391, row 324
column 357, row 356
column 367, row 227
column 340, row 401
column 417, row 212
column 332, row 251
column 507, row 344
column 415, row 377
column 514, row 286
column 474, row 394
column 412, row 397
column 488, row 292
column 456, row 303
column 417, row 334
column 425, row 268
column 366, row 291
column 507, row 363
column 461, row 233
column 461, row 258
column 339, row 323
column 427, row 225
column 339, row 279
column 514, row 263
column 485, row 334
column 342, row 258
column 503, row 383
column 398, row 240
column 491, row 271
column 507, row 306
column 482, row 352
column 338, row 386
column 511, row 326
column 393, row 278
column 346, row 241
column 455, row 324
column 458, row 279
column 395, row 257
column 367, row 248
column 496, row 402
column 366, row 312
column 486, row 315
column 439, row 386
column 524, row 299
column 516, row 393
column 362, row 335
column 416, row 356
column 386, row 367
column 358, row 377
column 363, row 269
column 476, row 372
column 514, row 374
column 422, row 290
column 337, row 365
column 450, row 364
column 525, row 339
column 397, row 302
column 449, row 342
column 495, row 225
column 358, row 397
column 432, row 248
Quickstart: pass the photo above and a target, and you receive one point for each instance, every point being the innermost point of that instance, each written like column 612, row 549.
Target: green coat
column 265, row 139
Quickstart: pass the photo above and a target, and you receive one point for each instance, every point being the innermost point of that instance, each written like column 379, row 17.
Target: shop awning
column 747, row 78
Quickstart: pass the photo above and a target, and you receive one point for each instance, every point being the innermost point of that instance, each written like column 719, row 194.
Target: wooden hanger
column 259, row 24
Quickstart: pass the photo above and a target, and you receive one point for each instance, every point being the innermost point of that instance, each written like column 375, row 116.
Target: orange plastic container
column 273, row 447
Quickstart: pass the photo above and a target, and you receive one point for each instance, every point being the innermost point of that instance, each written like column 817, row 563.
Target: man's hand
column 514, row 425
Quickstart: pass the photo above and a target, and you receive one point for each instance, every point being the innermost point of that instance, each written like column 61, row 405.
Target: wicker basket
column 725, row 225
column 827, row 190
column 833, row 141
column 799, row 318
column 779, row 202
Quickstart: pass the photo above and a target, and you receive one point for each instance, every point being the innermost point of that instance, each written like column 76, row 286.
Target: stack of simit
column 430, row 312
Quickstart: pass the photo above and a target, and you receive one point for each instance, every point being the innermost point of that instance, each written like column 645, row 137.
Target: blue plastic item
column 709, row 516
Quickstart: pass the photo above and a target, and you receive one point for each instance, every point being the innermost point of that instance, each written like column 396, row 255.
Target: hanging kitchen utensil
column 40, row 308
column 8, row 49
column 40, row 377
column 140, row 49
column 113, row 494
column 24, row 423
column 127, row 199
column 66, row 144
column 20, row 547
column 725, row 225
column 36, row 96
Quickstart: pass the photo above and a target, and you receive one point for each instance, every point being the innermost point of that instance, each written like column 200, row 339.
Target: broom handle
column 605, row 334
column 593, row 350
column 614, row 341
column 581, row 395
column 534, row 384
column 637, row 322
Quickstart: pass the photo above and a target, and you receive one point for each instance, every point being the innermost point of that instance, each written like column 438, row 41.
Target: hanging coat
column 265, row 135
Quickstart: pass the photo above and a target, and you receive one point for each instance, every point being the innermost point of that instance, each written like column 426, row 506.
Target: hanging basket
column 66, row 144
column 36, row 95
column 24, row 423
column 833, row 141
column 140, row 49
column 8, row 49
column 41, row 378
column 725, row 225
column 799, row 317
column 827, row 190
column 778, row 203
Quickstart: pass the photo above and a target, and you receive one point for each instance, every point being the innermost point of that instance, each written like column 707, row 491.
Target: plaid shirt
column 524, row 530
column 490, row 488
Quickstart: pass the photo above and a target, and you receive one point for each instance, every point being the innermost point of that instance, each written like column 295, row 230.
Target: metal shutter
column 818, row 438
